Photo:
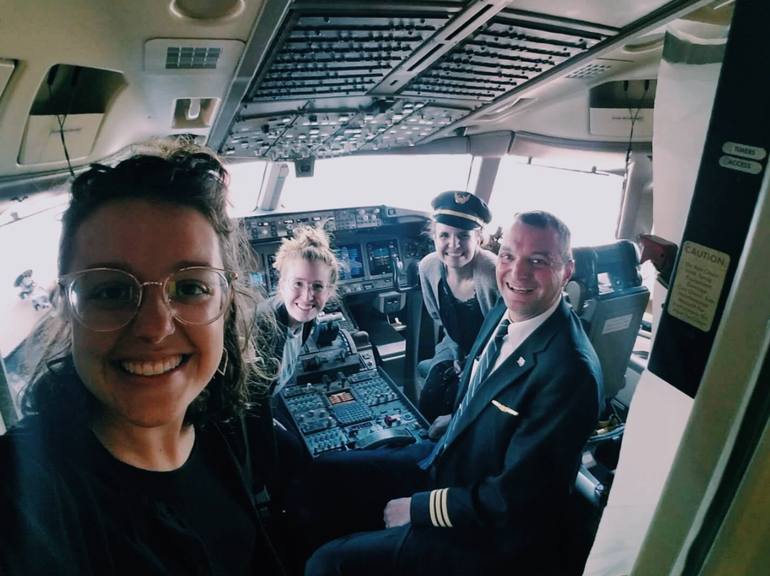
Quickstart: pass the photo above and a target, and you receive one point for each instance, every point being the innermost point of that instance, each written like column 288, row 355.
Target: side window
column 246, row 182
column 29, row 235
column 587, row 202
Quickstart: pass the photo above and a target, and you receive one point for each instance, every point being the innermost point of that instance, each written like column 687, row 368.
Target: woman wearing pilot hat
column 459, row 289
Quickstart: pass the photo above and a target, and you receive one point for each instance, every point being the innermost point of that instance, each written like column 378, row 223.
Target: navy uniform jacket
column 511, row 474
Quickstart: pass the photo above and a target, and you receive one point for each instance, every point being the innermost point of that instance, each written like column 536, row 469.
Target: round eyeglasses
column 106, row 299
column 300, row 285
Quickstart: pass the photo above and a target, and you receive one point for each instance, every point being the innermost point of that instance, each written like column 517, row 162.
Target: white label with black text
column 617, row 324
column 698, row 284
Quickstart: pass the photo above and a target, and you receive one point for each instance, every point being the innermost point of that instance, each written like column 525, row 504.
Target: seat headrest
column 585, row 265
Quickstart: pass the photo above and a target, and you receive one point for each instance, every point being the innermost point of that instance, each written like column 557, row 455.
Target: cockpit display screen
column 379, row 256
column 351, row 262
column 257, row 280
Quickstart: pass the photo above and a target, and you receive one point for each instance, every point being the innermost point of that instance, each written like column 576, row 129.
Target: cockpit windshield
column 401, row 180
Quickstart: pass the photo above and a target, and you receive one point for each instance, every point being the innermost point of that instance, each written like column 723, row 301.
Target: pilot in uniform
column 490, row 496
column 458, row 219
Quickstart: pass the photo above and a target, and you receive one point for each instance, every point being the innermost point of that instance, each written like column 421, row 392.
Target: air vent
column 189, row 58
column 590, row 71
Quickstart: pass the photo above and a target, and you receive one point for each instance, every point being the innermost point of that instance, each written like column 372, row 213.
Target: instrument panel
column 278, row 226
column 342, row 401
column 364, row 239
column 358, row 411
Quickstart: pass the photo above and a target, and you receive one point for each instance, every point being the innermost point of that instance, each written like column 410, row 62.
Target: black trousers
column 440, row 390
column 410, row 551
column 341, row 498
column 345, row 492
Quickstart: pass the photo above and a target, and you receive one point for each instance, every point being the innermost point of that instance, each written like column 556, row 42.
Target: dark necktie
column 486, row 361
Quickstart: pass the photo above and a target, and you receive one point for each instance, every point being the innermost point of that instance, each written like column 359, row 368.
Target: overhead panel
column 340, row 55
column 357, row 77
column 328, row 133
column 499, row 56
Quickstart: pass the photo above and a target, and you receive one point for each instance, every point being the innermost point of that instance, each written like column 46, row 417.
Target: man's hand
column 439, row 426
column 397, row 512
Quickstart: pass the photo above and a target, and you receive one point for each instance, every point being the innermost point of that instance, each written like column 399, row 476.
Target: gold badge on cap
column 462, row 197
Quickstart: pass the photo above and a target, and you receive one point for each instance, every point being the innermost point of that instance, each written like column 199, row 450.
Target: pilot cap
column 461, row 210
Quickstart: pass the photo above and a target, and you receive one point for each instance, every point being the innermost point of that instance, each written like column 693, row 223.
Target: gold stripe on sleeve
column 444, row 508
column 432, row 508
column 439, row 507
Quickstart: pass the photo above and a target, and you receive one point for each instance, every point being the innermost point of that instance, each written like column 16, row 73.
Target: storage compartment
column 67, row 110
column 43, row 142
column 617, row 106
column 6, row 69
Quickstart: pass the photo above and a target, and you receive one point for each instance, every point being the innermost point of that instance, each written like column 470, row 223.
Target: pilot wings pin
column 504, row 408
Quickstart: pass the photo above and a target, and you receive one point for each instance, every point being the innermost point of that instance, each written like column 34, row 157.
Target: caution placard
column 698, row 285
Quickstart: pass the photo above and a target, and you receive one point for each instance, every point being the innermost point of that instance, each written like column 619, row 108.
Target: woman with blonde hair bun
column 308, row 273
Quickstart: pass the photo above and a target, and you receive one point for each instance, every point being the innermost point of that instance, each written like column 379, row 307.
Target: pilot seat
column 606, row 293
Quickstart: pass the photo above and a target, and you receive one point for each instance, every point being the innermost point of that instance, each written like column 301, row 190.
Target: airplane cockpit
column 379, row 248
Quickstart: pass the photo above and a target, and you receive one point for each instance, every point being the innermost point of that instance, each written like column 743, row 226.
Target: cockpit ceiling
column 344, row 78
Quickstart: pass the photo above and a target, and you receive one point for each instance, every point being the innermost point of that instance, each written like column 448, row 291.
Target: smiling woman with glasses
column 147, row 433
column 308, row 271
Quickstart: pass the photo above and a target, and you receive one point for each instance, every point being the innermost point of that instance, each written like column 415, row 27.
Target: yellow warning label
column 700, row 277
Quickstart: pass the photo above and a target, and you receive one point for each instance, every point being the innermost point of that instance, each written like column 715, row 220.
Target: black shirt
column 462, row 320
column 68, row 507
column 202, row 494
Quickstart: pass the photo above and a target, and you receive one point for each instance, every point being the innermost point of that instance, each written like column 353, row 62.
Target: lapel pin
column 520, row 361
column 504, row 408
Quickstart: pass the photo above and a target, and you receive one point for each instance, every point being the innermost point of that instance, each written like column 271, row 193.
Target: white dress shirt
column 518, row 332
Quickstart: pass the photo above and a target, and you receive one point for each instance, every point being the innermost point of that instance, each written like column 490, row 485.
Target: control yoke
column 412, row 275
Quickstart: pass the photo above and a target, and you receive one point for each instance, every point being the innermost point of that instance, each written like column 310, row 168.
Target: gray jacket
column 485, row 286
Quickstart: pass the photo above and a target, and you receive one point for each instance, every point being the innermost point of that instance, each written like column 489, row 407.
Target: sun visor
column 67, row 112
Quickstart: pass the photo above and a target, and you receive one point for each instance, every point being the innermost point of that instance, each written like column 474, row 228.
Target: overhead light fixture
column 646, row 43
column 207, row 10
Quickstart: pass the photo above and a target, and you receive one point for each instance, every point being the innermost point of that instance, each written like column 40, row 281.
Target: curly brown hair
column 182, row 174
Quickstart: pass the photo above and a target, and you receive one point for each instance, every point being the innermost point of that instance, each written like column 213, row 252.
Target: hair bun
column 310, row 236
